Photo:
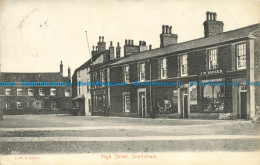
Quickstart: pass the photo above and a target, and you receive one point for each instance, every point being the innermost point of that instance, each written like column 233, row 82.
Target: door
column 243, row 104
column 184, row 103
column 142, row 104
column 185, row 106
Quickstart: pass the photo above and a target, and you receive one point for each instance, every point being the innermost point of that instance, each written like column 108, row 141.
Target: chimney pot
column 117, row 44
column 129, row 42
column 125, row 42
column 96, row 48
column 167, row 29
column 207, row 15
column 111, row 43
column 93, row 48
column 102, row 38
column 163, row 29
column 150, row 47
column 170, row 30
column 99, row 38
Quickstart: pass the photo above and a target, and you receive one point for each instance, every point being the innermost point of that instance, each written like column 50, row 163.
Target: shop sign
column 209, row 72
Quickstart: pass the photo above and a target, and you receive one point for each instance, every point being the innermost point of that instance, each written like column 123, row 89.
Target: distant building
column 21, row 99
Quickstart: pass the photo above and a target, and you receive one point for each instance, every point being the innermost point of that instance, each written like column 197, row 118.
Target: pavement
column 62, row 134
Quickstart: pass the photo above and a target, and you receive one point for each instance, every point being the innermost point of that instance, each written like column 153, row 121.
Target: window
column 8, row 92
column 8, row 105
column 30, row 92
column 19, row 105
column 53, row 92
column 163, row 64
column 42, row 104
column 67, row 92
column 183, row 65
column 142, row 72
column 41, row 92
column 241, row 56
column 53, row 105
column 213, row 98
column 126, row 101
column 212, row 59
column 126, row 73
column 67, row 105
column 19, row 92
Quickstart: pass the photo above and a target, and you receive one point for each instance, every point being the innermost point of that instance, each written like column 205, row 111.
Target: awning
column 79, row 97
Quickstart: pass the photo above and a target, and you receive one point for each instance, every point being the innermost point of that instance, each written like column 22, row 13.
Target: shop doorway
column 243, row 105
column 184, row 103
column 142, row 108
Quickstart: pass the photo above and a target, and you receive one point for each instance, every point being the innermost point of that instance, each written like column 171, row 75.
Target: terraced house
column 231, row 58
column 35, row 99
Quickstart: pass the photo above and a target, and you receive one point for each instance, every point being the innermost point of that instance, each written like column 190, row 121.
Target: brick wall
column 196, row 62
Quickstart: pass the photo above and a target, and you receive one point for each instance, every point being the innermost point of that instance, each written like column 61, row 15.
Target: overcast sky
column 36, row 35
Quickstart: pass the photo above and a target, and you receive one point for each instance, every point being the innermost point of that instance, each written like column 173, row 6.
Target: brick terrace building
column 218, row 57
column 20, row 99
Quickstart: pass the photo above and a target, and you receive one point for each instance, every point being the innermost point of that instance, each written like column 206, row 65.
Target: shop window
column 67, row 105
column 213, row 98
column 241, row 56
column 53, row 92
column 167, row 101
column 19, row 92
column 30, row 92
column 163, row 65
column 53, row 105
column 126, row 73
column 8, row 105
column 126, row 101
column 42, row 104
column 19, row 105
column 193, row 95
column 8, row 92
column 183, row 65
column 142, row 72
column 212, row 59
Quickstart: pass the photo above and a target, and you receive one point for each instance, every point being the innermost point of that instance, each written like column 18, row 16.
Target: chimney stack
column 142, row 46
column 69, row 74
column 167, row 38
column 211, row 25
column 101, row 44
column 61, row 69
column 118, row 50
column 130, row 48
column 111, row 51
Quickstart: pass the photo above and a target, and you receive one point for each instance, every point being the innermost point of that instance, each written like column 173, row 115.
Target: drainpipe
column 151, row 108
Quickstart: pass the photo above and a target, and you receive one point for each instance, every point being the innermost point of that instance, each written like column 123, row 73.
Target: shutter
column 166, row 67
column 129, row 73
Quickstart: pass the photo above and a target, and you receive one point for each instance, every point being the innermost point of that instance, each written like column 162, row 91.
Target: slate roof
column 28, row 77
column 197, row 43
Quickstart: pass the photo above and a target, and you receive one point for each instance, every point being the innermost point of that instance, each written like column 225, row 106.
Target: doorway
column 243, row 105
column 184, row 103
column 142, row 108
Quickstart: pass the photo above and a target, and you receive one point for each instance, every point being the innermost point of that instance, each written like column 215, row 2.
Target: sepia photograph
column 129, row 82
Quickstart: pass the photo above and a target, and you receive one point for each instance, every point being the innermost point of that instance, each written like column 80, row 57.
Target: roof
column 184, row 46
column 27, row 77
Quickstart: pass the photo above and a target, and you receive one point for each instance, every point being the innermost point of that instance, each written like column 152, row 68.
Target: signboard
column 210, row 72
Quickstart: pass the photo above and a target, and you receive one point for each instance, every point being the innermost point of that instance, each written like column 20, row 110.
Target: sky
column 35, row 35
